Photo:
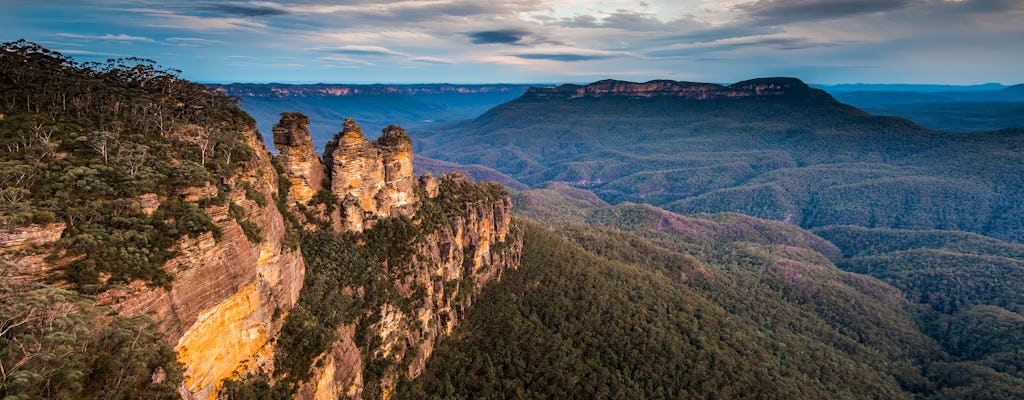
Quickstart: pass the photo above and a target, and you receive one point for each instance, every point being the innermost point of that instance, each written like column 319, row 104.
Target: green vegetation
column 607, row 314
column 349, row 278
column 968, row 288
column 775, row 282
column 807, row 160
column 56, row 344
column 82, row 142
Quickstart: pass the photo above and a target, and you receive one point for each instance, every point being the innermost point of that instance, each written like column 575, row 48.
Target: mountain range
column 648, row 240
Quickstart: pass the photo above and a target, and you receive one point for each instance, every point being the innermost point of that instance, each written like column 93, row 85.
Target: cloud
column 191, row 41
column 566, row 54
column 627, row 20
column 247, row 9
column 431, row 60
column 362, row 50
column 341, row 53
column 76, row 52
column 162, row 18
column 505, row 36
column 105, row 38
column 344, row 62
column 762, row 42
column 811, row 10
column 726, row 31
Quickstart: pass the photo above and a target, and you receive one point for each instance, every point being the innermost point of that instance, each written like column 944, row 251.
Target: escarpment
column 754, row 88
column 392, row 264
column 151, row 245
column 383, row 263
column 229, row 294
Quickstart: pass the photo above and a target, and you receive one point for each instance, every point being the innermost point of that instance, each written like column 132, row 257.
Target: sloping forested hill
column 799, row 156
column 713, row 307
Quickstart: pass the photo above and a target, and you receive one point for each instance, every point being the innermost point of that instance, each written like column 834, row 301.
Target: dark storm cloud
column 504, row 36
column 810, row 10
column 245, row 9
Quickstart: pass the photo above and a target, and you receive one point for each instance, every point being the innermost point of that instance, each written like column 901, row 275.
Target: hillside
column 773, row 148
column 704, row 306
column 152, row 247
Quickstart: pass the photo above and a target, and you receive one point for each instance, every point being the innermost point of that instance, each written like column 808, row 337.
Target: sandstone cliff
column 754, row 88
column 372, row 180
column 298, row 157
column 462, row 240
column 229, row 295
column 234, row 289
column 229, row 291
column 451, row 263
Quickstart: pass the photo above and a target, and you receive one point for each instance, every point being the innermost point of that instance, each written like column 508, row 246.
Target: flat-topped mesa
column 298, row 157
column 754, row 88
column 372, row 180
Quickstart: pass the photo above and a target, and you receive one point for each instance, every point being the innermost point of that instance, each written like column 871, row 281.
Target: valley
column 663, row 239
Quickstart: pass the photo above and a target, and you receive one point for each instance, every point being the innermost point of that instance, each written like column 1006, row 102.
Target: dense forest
column 686, row 287
column 83, row 143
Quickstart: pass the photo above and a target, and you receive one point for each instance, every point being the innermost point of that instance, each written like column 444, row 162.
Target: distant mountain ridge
column 949, row 108
column 375, row 106
column 340, row 90
column 753, row 88
column 777, row 149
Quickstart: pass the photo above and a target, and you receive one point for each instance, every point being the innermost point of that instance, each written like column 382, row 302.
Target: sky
column 455, row 41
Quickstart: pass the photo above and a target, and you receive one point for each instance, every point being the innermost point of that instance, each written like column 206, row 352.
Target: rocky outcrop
column 298, row 157
column 232, row 292
column 754, row 88
column 450, row 267
column 464, row 241
column 372, row 180
column 229, row 295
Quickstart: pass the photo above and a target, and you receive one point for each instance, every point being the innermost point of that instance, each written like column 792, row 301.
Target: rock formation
column 754, row 88
column 298, row 157
column 231, row 295
column 450, row 267
column 451, row 262
column 372, row 180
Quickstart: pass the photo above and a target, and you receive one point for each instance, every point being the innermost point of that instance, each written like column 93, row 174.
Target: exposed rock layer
column 298, row 157
column 372, row 180
column 754, row 88
column 231, row 295
column 450, row 267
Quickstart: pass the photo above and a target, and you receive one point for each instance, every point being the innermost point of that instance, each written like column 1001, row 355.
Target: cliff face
column 372, row 180
column 464, row 240
column 229, row 295
column 449, row 268
column 754, row 88
column 233, row 288
column 298, row 157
